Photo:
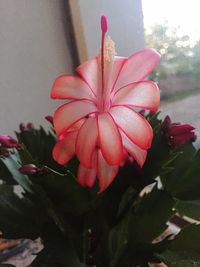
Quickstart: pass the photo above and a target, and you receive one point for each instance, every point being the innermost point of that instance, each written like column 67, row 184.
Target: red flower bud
column 142, row 112
column 30, row 126
column 7, row 141
column 22, row 127
column 28, row 169
column 49, row 118
column 25, row 128
column 178, row 134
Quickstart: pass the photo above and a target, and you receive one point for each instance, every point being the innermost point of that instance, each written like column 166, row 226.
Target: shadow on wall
column 36, row 46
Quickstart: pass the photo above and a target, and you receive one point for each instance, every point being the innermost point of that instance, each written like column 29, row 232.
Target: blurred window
column 172, row 28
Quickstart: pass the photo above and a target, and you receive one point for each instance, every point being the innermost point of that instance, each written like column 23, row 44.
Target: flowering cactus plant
column 100, row 121
column 106, row 185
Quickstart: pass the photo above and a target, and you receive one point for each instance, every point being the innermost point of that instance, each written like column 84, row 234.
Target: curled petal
column 75, row 127
column 110, row 139
column 64, row 149
column 143, row 94
column 105, row 172
column 137, row 153
column 89, row 71
column 87, row 141
column 87, row 177
column 70, row 113
column 71, row 87
column 137, row 67
column 133, row 125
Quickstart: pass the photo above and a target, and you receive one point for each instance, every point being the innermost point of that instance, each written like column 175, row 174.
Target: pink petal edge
column 68, row 114
column 110, row 139
column 136, row 152
column 143, row 94
column 134, row 125
column 71, row 87
column 105, row 172
column 64, row 149
column 89, row 71
column 86, row 141
column 137, row 67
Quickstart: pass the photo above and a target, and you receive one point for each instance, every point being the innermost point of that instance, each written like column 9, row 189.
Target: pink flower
column 160, row 265
column 99, row 124
column 178, row 134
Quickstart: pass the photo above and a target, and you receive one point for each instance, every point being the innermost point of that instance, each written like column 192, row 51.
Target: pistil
column 107, row 59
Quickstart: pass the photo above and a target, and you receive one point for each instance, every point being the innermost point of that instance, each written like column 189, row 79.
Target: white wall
column 33, row 51
column 125, row 24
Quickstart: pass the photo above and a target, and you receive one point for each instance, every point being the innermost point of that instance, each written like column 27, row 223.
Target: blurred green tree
column 176, row 51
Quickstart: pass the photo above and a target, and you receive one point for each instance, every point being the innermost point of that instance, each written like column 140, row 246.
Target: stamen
column 109, row 49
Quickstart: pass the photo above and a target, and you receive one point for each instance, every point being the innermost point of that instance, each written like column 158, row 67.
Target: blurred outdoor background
column 40, row 40
column 172, row 28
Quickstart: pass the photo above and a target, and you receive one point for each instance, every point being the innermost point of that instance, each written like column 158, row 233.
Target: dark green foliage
column 184, row 249
column 81, row 228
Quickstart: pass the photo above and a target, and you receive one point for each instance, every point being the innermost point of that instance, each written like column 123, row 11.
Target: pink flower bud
column 49, row 118
column 7, row 141
column 28, row 169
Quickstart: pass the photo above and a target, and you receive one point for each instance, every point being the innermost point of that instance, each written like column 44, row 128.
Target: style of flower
column 178, row 134
column 99, row 124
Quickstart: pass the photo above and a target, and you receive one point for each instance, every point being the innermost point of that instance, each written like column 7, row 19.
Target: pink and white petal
column 87, row 141
column 75, row 127
column 86, row 177
column 136, row 152
column 90, row 72
column 105, row 172
column 64, row 149
column 143, row 94
column 137, row 67
column 68, row 114
column 71, row 87
column 134, row 125
column 110, row 139
column 116, row 68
